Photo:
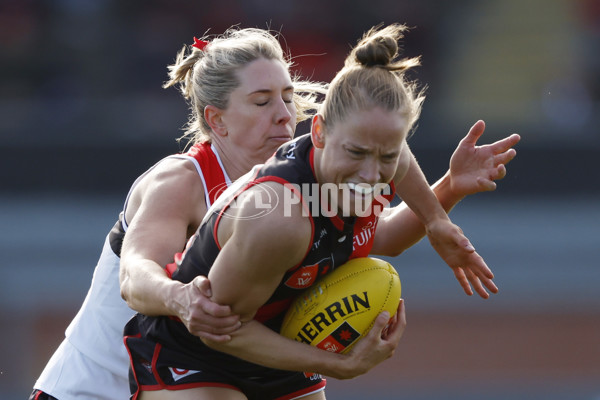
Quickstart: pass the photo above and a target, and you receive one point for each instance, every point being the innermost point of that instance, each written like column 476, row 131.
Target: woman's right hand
column 200, row 315
column 377, row 346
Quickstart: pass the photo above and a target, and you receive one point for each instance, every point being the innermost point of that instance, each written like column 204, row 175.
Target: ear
column 317, row 131
column 213, row 117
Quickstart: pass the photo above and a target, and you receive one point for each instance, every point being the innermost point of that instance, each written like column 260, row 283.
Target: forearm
column 147, row 289
column 418, row 195
column 400, row 228
column 256, row 343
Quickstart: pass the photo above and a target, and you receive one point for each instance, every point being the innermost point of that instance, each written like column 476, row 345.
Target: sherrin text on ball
column 341, row 307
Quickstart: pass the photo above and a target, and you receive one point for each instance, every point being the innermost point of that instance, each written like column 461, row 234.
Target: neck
column 234, row 164
column 317, row 154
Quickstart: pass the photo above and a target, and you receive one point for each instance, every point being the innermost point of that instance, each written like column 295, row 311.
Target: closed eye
column 389, row 157
column 356, row 153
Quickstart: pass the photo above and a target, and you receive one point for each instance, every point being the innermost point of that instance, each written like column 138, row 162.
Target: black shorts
column 39, row 395
column 157, row 367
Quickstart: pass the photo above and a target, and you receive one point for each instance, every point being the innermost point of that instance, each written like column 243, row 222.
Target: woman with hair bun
column 357, row 146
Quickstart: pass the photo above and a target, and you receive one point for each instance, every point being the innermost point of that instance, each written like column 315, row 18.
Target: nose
column 282, row 114
column 370, row 171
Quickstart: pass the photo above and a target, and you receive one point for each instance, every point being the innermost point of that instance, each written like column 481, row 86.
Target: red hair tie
column 199, row 44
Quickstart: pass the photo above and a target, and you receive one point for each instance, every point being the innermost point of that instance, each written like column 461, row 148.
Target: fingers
column 395, row 326
column 208, row 306
column 214, row 326
column 463, row 281
column 505, row 144
column 486, row 185
column 478, row 277
column 203, row 284
column 402, row 311
column 381, row 322
column 500, row 172
column 213, row 309
column 476, row 283
column 481, row 284
column 218, row 330
column 214, row 338
column 474, row 134
column 485, row 276
column 490, row 285
column 505, row 157
column 503, row 149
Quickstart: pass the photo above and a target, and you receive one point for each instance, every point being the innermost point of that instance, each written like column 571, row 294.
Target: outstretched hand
column 457, row 251
column 474, row 168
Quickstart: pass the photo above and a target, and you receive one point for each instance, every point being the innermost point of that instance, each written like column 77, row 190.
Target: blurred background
column 82, row 114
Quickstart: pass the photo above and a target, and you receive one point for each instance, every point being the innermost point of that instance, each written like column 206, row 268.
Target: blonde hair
column 371, row 78
column 208, row 76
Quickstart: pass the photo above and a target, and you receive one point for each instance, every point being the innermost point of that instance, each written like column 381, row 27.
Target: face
column 261, row 114
column 360, row 155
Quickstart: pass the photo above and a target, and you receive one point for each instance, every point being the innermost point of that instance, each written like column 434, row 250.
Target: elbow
column 125, row 287
column 394, row 252
column 125, row 293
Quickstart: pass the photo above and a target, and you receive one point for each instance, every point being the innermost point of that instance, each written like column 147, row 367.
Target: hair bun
column 378, row 50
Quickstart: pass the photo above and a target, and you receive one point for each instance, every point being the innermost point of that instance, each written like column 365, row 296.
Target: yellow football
column 341, row 307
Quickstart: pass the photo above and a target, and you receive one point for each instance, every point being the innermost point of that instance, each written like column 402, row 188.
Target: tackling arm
column 162, row 215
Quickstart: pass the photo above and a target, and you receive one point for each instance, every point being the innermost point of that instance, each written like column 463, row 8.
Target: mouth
column 361, row 189
column 282, row 137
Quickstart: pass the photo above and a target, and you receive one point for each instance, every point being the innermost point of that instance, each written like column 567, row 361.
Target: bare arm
column 473, row 169
column 254, row 257
column 445, row 237
column 165, row 207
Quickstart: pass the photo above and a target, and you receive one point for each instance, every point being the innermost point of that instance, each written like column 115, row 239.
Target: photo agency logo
column 328, row 200
column 252, row 203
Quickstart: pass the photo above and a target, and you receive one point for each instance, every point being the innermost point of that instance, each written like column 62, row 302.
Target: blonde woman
column 358, row 145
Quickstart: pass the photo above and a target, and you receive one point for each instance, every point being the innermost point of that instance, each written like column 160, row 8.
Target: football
column 341, row 307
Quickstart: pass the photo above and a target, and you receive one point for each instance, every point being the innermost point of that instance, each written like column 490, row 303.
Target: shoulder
column 172, row 183
column 269, row 215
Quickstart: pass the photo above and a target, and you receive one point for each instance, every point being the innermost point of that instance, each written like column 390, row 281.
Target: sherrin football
column 341, row 307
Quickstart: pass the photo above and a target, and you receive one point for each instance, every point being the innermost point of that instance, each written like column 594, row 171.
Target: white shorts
column 70, row 375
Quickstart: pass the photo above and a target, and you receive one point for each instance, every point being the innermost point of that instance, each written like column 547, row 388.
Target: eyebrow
column 368, row 150
column 266, row 91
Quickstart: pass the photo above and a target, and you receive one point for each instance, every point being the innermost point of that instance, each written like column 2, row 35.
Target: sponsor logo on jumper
column 303, row 277
column 317, row 242
column 312, row 376
column 306, row 275
column 178, row 374
column 290, row 153
column 146, row 364
column 337, row 310
column 363, row 237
